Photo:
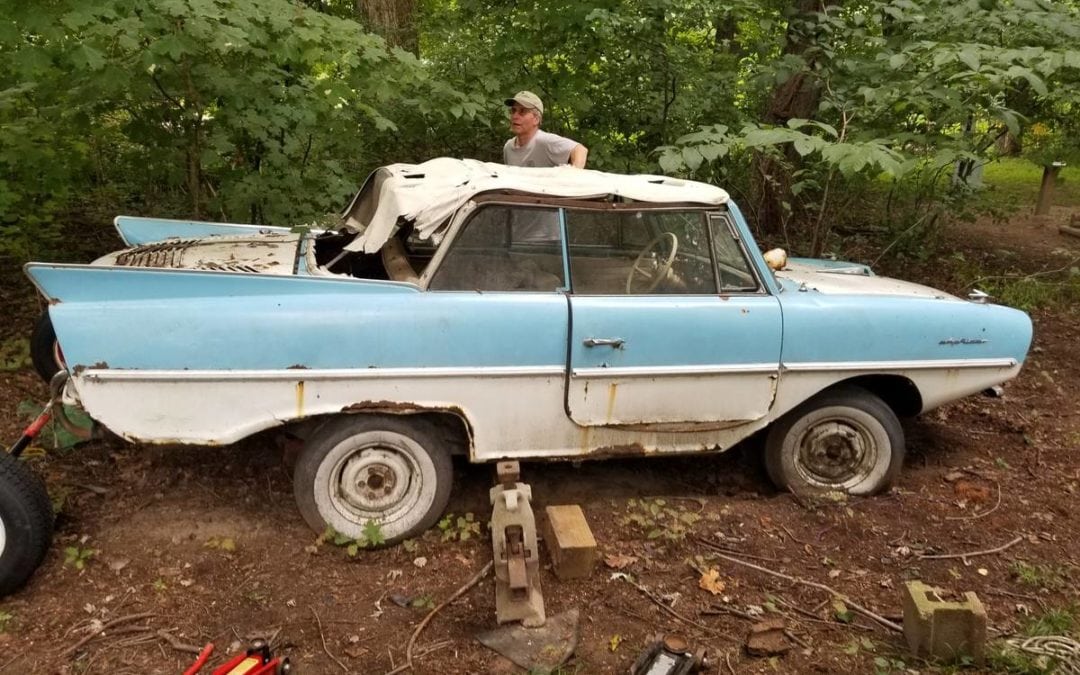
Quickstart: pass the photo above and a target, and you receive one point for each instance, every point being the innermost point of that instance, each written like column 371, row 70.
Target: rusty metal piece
column 508, row 472
column 515, row 562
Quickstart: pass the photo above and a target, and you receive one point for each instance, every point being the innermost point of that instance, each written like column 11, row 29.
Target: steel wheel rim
column 3, row 537
column 376, row 481
column 837, row 453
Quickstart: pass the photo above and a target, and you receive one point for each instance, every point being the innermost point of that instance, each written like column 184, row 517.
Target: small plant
column 371, row 535
column 78, row 557
column 1053, row 622
column 886, row 666
column 1039, row 576
column 159, row 585
column 658, row 520
column 461, row 528
column 5, row 620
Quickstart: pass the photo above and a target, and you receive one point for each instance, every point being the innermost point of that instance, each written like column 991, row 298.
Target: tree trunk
column 797, row 97
column 394, row 20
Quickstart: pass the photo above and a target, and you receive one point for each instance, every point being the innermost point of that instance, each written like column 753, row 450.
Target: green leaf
column 969, row 57
column 805, row 145
column 671, row 162
column 713, row 151
column 897, row 61
column 373, row 533
column 692, row 158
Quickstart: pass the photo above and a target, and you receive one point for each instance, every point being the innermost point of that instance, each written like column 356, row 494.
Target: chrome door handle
column 617, row 343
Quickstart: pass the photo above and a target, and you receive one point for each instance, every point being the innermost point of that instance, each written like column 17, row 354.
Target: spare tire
column 26, row 523
column 44, row 349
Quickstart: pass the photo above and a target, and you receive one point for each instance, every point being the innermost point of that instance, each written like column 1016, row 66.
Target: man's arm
column 578, row 156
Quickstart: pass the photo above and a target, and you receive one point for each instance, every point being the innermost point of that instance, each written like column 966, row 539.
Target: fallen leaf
column 841, row 612
column 420, row 562
column 711, row 582
column 615, row 641
column 972, row 492
column 618, row 561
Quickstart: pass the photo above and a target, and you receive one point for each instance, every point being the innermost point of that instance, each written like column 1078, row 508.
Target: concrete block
column 569, row 541
column 936, row 628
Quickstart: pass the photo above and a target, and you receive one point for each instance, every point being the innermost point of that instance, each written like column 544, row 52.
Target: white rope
column 1063, row 650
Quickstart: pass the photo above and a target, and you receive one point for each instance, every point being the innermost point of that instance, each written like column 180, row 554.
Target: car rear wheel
column 844, row 439
column 44, row 349
column 26, row 521
column 383, row 469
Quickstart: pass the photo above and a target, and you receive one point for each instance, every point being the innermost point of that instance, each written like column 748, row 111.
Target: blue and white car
column 505, row 313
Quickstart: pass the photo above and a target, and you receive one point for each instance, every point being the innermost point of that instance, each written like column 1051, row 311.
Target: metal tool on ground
column 669, row 655
column 516, row 554
column 255, row 660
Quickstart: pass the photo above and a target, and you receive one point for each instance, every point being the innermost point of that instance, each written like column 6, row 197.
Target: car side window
column 736, row 275
column 628, row 252
column 504, row 248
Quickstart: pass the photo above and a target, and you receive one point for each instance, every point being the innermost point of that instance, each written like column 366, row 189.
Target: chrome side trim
column 310, row 375
column 931, row 364
column 658, row 371
column 314, row 375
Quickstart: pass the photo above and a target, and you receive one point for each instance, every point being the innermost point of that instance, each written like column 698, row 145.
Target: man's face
column 523, row 120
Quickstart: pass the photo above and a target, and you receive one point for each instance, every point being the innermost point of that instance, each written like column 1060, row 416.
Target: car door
column 670, row 326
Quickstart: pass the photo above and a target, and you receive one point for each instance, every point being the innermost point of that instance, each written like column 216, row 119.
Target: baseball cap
column 527, row 99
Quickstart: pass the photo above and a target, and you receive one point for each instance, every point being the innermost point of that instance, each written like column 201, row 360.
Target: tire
column 384, row 468
column 26, row 523
column 44, row 349
column 844, row 439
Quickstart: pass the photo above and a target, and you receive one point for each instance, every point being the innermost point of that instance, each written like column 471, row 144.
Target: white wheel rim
column 839, row 452
column 3, row 537
column 383, row 477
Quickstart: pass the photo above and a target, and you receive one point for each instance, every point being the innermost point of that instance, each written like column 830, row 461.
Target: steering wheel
column 654, row 277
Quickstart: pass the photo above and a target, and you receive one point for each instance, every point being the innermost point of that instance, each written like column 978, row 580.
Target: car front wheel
column 26, row 521
column 386, row 470
column 844, row 439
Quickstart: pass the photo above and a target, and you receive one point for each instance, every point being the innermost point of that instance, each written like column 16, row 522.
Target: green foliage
column 1064, row 621
column 460, row 528
column 78, row 557
column 657, row 520
column 15, row 353
column 261, row 111
column 6, row 618
column 53, row 435
column 371, row 535
column 1051, row 577
column 272, row 111
column 886, row 666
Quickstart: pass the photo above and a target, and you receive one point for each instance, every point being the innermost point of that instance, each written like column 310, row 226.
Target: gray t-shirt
column 544, row 150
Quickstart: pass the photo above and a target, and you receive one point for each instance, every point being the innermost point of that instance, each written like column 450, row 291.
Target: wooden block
column 569, row 541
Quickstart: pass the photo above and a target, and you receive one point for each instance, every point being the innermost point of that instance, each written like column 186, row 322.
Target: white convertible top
column 429, row 193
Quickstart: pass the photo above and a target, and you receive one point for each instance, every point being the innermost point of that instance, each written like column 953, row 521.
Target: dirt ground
column 205, row 544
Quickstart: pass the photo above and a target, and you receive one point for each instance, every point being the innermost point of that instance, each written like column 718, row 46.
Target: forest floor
column 206, row 544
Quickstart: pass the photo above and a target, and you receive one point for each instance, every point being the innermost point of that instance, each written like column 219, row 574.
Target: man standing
column 531, row 146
